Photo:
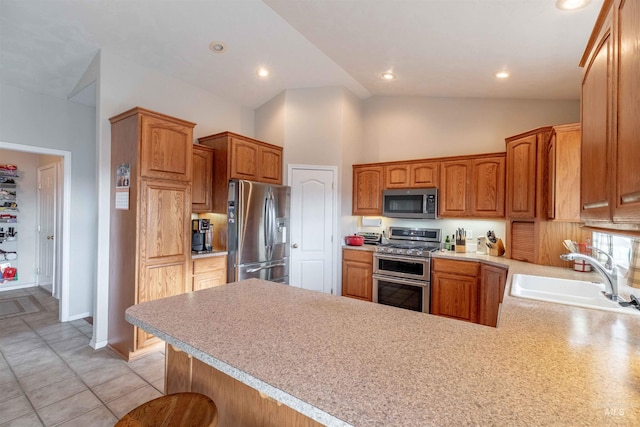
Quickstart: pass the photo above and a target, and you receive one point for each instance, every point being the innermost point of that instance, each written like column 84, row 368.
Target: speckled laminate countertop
column 343, row 361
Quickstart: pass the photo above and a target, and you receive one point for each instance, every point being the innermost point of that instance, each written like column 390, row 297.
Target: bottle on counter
column 447, row 243
column 453, row 242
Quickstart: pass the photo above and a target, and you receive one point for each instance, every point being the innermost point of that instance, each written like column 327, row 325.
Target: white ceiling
column 435, row 47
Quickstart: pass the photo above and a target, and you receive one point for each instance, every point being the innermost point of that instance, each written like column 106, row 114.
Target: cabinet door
column 626, row 206
column 209, row 272
column 159, row 281
column 166, row 149
column 244, row 160
column 202, row 182
column 357, row 274
column 454, row 296
column 492, row 283
column 453, row 188
column 596, row 136
column 521, row 177
column 424, row 174
column 396, row 176
column 563, row 186
column 270, row 165
column 487, row 183
column 367, row 190
column 209, row 280
column 165, row 210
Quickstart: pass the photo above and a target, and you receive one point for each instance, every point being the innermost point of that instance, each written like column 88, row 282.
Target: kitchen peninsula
column 341, row 361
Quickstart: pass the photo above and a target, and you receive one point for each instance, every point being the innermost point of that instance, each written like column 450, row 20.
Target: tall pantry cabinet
column 151, row 163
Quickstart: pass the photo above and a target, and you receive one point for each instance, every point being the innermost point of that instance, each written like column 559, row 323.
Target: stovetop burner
column 420, row 242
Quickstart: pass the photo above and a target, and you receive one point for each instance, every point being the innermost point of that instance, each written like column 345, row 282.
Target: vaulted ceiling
column 447, row 48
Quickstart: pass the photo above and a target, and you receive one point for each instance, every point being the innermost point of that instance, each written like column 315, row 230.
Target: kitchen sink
column 562, row 291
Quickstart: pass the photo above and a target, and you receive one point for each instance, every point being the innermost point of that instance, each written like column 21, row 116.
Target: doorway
column 314, row 221
column 61, row 267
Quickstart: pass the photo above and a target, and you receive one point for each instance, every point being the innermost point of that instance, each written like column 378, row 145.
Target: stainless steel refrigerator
column 258, row 231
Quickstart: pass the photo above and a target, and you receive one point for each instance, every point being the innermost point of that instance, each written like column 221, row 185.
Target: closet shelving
column 8, row 223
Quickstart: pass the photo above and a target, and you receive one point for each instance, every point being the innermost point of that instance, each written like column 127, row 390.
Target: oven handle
column 392, row 257
column 421, row 283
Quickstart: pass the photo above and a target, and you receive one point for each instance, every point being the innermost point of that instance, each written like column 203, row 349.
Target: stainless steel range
column 402, row 268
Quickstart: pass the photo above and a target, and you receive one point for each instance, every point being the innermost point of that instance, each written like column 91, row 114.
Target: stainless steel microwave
column 418, row 203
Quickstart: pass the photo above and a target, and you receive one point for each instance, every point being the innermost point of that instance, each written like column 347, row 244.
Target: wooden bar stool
column 173, row 410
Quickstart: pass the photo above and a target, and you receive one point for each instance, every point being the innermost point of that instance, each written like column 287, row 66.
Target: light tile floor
column 50, row 376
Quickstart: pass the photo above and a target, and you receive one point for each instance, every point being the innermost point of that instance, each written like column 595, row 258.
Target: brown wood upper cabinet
column 542, row 183
column 522, row 173
column 367, row 189
column 166, row 151
column 610, row 179
column 240, row 157
column 150, row 238
column 469, row 186
column 411, row 175
column 473, row 187
column 202, row 182
column 563, row 185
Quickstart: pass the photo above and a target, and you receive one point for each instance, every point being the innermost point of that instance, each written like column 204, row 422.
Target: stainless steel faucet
column 609, row 275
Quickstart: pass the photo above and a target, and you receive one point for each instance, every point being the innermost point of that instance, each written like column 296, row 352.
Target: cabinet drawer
column 465, row 268
column 357, row 255
column 207, row 264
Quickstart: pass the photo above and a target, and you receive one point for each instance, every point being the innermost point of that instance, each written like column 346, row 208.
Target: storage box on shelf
column 8, row 221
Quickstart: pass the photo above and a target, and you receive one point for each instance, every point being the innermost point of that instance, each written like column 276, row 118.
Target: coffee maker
column 201, row 235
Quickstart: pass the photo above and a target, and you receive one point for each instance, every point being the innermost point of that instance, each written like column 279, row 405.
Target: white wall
column 313, row 126
column 403, row 128
column 26, row 193
column 270, row 121
column 353, row 145
column 36, row 120
column 123, row 85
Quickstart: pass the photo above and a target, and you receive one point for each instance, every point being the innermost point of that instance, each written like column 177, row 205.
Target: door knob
column 294, row 246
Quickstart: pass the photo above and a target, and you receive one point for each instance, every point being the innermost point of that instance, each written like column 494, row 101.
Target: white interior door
column 47, row 181
column 313, row 216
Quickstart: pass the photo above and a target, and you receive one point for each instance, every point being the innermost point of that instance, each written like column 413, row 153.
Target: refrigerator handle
column 264, row 267
column 268, row 223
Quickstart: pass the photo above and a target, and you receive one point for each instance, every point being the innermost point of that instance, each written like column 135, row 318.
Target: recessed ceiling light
column 502, row 75
column 388, row 76
column 217, row 47
column 263, row 72
column 571, row 4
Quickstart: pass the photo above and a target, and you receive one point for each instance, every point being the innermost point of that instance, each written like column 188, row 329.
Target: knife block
column 497, row 249
column 460, row 246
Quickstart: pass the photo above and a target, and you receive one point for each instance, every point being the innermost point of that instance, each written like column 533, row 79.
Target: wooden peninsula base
column 238, row 404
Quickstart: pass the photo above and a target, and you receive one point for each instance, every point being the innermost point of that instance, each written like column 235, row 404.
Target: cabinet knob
column 294, row 246
column 49, row 237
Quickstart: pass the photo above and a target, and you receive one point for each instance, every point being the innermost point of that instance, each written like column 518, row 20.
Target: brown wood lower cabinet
column 209, row 272
column 237, row 403
column 357, row 274
column 467, row 290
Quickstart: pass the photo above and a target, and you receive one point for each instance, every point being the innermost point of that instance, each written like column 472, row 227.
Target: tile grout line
column 76, row 374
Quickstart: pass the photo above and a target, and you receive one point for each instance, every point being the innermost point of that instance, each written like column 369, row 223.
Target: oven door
column 404, row 293
column 402, row 266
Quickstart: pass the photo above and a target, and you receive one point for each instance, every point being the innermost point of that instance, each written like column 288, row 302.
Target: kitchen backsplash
column 478, row 227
